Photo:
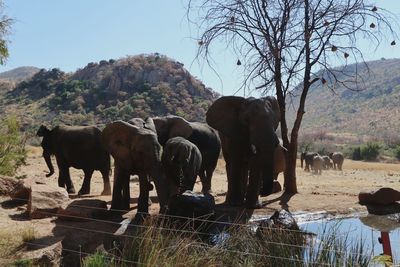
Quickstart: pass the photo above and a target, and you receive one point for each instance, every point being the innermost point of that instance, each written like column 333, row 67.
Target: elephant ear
column 179, row 127
column 272, row 104
column 117, row 138
column 223, row 115
column 43, row 130
column 149, row 124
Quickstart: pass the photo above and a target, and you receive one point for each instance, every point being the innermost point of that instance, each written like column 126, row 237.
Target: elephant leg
column 106, row 180
column 61, row 178
column 85, row 189
column 126, row 193
column 68, row 181
column 143, row 204
column 205, row 181
column 120, row 177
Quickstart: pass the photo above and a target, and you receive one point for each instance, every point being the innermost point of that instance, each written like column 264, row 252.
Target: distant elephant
column 327, row 162
column 181, row 161
column 203, row 136
column 318, row 164
column 247, row 127
column 135, row 151
column 78, row 147
column 308, row 157
column 337, row 158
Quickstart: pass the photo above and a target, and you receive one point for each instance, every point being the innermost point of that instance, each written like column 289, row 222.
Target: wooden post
column 385, row 241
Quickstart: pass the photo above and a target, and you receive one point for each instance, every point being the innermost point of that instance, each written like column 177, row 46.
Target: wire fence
column 180, row 231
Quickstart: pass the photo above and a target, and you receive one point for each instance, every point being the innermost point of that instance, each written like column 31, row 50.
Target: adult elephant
column 78, row 147
column 247, row 127
column 308, row 158
column 181, row 161
column 200, row 134
column 135, row 151
column 337, row 159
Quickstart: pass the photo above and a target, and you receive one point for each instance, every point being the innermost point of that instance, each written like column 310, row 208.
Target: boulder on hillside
column 82, row 210
column 21, row 190
column 44, row 256
column 7, row 184
column 45, row 201
column 382, row 196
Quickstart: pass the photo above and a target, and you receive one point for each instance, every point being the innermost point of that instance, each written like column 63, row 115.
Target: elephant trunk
column 162, row 188
column 49, row 164
column 267, row 175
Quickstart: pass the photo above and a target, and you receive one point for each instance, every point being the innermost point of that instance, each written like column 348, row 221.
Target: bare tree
column 287, row 46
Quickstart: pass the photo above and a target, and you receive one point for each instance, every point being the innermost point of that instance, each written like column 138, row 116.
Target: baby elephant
column 327, row 163
column 318, row 164
column 181, row 161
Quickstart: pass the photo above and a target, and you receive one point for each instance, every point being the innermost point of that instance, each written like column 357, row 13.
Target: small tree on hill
column 287, row 46
column 5, row 25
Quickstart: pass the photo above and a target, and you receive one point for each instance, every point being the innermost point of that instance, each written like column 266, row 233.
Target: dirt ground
column 333, row 191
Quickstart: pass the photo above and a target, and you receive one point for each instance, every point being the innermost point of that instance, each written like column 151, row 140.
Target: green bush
column 370, row 151
column 397, row 152
column 356, row 153
column 12, row 146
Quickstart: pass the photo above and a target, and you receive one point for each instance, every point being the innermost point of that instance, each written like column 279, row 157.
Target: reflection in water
column 364, row 229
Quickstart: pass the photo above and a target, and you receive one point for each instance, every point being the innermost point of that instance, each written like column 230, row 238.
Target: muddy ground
column 334, row 191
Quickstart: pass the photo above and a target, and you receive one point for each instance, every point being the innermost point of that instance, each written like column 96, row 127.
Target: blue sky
column 71, row 33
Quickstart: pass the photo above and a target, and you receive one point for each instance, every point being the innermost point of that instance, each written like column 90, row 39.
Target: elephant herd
column 172, row 152
column 317, row 163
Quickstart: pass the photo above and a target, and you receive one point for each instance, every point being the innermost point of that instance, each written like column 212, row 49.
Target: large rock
column 45, row 201
column 280, row 219
column 21, row 190
column 82, row 210
column 45, row 256
column 7, row 184
column 382, row 196
column 191, row 205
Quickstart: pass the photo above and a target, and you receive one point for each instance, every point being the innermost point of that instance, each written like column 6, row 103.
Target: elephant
column 337, row 158
column 318, row 164
column 200, row 134
column 79, row 147
column 327, row 162
column 181, row 161
column 247, row 127
column 308, row 157
column 135, row 150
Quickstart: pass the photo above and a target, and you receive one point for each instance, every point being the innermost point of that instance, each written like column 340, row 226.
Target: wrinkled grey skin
column 200, row 134
column 318, row 164
column 308, row 157
column 181, row 161
column 327, row 163
column 79, row 147
column 337, row 159
column 136, row 151
column 247, row 127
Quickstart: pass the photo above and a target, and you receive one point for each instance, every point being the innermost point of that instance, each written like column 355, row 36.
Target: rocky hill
column 369, row 109
column 136, row 86
column 19, row 74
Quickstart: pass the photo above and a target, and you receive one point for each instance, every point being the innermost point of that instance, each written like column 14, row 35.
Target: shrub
column 12, row 146
column 370, row 151
column 356, row 153
column 397, row 152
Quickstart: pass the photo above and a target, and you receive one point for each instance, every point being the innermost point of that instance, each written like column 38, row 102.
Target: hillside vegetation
column 136, row 86
column 370, row 110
